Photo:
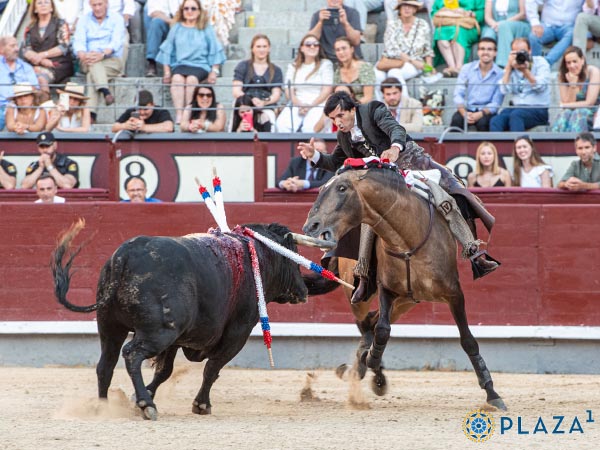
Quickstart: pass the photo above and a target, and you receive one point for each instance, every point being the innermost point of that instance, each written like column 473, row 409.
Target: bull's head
column 336, row 211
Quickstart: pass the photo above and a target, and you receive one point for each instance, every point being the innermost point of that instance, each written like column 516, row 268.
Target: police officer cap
column 46, row 138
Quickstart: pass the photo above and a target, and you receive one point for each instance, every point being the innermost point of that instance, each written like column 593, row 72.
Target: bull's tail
column 317, row 285
column 60, row 272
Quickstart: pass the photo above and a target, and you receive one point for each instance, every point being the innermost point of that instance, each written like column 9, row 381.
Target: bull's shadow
column 379, row 197
column 194, row 292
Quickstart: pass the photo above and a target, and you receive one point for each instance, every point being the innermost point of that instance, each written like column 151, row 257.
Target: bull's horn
column 302, row 239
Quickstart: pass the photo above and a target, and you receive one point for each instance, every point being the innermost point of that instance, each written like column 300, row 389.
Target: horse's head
column 347, row 198
column 337, row 208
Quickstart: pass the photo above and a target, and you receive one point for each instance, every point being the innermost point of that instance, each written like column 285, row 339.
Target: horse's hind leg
column 365, row 327
column 471, row 348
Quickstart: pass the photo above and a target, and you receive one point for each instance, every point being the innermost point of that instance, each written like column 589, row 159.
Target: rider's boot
column 481, row 262
column 361, row 270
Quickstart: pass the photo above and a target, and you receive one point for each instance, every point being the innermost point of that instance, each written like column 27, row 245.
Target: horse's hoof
column 379, row 384
column 150, row 413
column 341, row 370
column 498, row 403
column 201, row 409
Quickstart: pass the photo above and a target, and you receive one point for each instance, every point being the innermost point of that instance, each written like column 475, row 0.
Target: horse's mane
column 385, row 174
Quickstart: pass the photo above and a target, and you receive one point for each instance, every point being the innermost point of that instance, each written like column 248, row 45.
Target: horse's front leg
column 382, row 328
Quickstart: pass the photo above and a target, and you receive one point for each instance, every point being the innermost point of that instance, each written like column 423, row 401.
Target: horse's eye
column 342, row 188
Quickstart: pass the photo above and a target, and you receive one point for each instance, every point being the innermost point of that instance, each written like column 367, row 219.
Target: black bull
column 196, row 292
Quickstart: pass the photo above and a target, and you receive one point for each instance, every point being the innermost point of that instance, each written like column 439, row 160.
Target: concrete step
column 280, row 49
column 136, row 61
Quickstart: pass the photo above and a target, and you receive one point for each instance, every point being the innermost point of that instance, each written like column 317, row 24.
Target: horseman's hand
column 307, row 150
column 391, row 154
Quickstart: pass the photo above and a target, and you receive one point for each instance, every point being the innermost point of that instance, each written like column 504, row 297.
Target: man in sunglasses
column 146, row 118
column 333, row 22
column 63, row 169
column 13, row 70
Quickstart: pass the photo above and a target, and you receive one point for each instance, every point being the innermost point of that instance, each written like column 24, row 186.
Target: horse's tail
column 60, row 272
column 317, row 285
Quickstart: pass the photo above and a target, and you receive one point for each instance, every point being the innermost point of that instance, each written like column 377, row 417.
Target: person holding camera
column 526, row 79
column 146, row 118
column 335, row 21
column 246, row 117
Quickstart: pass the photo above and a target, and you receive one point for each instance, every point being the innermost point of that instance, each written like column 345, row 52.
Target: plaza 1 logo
column 479, row 425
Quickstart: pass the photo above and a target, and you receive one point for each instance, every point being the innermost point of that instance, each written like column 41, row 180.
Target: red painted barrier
column 550, row 253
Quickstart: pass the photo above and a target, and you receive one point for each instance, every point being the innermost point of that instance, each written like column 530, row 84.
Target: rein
column 407, row 255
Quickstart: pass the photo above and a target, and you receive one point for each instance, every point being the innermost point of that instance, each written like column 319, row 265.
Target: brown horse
column 416, row 259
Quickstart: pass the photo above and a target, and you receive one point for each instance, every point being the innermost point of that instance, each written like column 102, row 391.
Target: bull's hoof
column 150, row 413
column 202, row 409
column 341, row 370
column 498, row 403
column 373, row 362
column 379, row 384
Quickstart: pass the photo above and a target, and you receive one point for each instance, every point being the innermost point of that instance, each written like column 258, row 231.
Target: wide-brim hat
column 74, row 90
column 20, row 90
column 418, row 5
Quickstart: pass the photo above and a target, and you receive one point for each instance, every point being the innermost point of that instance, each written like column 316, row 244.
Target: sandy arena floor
column 56, row 408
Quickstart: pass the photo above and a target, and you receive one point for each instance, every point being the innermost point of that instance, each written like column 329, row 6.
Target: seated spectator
column 301, row 175
column 456, row 30
column 246, row 117
column 407, row 111
column 406, row 45
column 46, row 190
column 190, row 55
column 98, row 44
column 13, row 70
column 587, row 24
column 137, row 191
column 127, row 10
column 8, row 173
column 488, row 172
column 477, row 95
column 74, row 117
column 584, row 173
column 24, row 115
column 47, row 45
column 555, row 26
column 258, row 77
column 529, row 169
column 204, row 113
column 146, row 118
column 64, row 170
column 351, row 71
column 311, row 78
column 505, row 20
column 161, row 16
column 335, row 21
column 579, row 85
column 526, row 79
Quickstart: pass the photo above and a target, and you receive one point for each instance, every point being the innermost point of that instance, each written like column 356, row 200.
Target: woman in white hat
column 72, row 116
column 23, row 113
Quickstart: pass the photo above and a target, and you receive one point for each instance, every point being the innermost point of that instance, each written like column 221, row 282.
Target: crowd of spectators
column 506, row 87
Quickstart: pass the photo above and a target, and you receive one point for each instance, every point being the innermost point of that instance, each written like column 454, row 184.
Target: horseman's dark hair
column 341, row 99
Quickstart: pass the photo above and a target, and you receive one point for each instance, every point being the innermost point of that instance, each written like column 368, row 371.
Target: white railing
column 12, row 16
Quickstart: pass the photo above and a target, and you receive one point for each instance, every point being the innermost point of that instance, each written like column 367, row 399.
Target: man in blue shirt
column 477, row 95
column 526, row 78
column 136, row 190
column 98, row 44
column 13, row 70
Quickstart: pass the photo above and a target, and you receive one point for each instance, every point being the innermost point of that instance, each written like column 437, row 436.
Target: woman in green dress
column 452, row 43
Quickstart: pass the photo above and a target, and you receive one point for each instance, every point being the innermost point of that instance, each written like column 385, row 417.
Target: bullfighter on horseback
column 370, row 130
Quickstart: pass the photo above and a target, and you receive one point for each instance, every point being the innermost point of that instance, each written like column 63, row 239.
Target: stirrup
column 483, row 264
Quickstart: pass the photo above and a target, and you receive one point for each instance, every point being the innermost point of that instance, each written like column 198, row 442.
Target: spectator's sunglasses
column 312, row 44
column 204, row 95
column 190, row 8
column 13, row 80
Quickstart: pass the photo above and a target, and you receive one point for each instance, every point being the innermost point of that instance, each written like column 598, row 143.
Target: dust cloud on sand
column 57, row 409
